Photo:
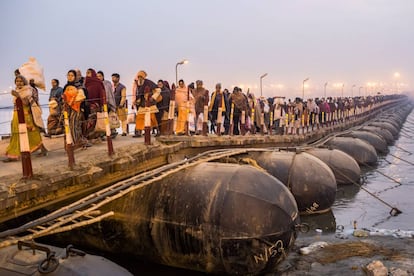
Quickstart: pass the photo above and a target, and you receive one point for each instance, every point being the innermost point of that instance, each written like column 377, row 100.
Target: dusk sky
column 234, row 42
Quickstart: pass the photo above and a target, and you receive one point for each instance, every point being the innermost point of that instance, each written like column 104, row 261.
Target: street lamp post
column 303, row 88
column 184, row 61
column 261, row 77
column 342, row 90
column 324, row 90
column 352, row 91
column 359, row 92
column 261, row 121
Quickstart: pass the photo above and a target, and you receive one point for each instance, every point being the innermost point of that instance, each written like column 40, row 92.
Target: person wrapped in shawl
column 96, row 95
column 200, row 94
column 73, row 95
column 55, row 119
column 185, row 104
column 145, row 91
column 240, row 104
column 25, row 92
column 218, row 99
column 163, row 106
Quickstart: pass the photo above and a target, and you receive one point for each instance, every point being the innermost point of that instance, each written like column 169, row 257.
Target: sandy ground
column 348, row 255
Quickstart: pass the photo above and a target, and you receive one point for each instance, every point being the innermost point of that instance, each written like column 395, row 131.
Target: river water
column 392, row 181
column 6, row 113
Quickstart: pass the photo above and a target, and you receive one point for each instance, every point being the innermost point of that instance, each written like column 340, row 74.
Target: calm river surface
column 357, row 205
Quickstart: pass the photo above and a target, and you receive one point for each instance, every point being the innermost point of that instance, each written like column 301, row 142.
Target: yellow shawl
column 213, row 99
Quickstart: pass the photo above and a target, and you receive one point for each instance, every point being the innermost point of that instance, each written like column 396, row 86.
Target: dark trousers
column 236, row 124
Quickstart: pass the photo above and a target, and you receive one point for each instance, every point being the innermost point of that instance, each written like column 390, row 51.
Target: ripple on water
column 391, row 180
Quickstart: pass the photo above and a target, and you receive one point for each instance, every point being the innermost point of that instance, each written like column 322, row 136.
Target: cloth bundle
column 33, row 70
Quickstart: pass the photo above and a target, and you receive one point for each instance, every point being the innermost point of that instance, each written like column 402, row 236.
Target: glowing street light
column 370, row 86
column 397, row 76
column 280, row 87
column 184, row 61
column 303, row 88
column 339, row 85
column 261, row 77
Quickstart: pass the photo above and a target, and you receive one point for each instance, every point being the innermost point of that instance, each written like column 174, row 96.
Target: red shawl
column 95, row 88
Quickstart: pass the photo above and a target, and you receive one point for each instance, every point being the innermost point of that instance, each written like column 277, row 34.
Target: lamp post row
column 185, row 61
column 261, row 78
column 303, row 88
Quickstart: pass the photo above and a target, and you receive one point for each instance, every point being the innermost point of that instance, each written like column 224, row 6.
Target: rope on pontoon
column 394, row 210
column 399, row 158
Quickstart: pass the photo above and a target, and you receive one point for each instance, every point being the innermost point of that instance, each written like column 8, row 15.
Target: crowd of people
column 190, row 106
column 240, row 111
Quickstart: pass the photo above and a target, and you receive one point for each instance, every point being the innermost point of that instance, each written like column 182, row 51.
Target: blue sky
column 233, row 42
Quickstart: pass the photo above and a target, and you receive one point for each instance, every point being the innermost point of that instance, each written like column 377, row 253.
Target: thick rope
column 399, row 158
column 370, row 193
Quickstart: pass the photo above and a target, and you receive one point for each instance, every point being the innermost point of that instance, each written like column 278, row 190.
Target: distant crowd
column 82, row 100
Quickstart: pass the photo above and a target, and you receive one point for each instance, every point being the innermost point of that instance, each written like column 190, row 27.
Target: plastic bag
column 131, row 118
column 191, row 123
column 37, row 115
column 33, row 70
column 100, row 122
column 113, row 120
column 248, row 123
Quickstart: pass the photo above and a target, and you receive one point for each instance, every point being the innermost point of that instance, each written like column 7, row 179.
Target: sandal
column 8, row 159
column 42, row 153
column 86, row 145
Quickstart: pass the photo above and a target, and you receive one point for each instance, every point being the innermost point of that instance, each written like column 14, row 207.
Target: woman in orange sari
column 73, row 95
